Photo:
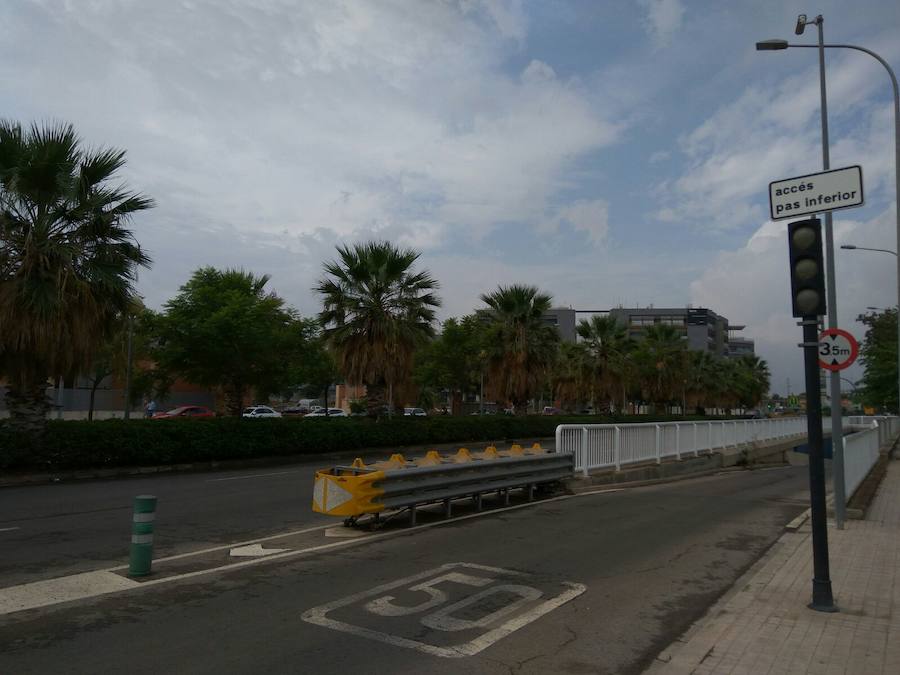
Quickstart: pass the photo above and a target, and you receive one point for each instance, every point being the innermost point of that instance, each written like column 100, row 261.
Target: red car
column 185, row 411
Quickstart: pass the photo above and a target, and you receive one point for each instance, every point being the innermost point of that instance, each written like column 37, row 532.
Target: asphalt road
column 590, row 584
column 65, row 528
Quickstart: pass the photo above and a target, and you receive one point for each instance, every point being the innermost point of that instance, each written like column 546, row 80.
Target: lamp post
column 822, row 598
column 767, row 45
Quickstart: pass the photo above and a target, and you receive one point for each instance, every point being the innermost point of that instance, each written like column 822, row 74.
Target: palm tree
column 608, row 345
column 753, row 376
column 376, row 312
column 661, row 358
column 67, row 262
column 521, row 346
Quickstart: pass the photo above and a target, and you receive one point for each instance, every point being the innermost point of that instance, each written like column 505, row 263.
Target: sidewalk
column 763, row 625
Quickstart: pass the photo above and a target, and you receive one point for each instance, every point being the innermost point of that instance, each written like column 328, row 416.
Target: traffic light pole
column 822, row 599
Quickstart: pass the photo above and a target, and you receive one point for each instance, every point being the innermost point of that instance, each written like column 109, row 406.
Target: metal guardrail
column 356, row 490
column 888, row 425
column 597, row 446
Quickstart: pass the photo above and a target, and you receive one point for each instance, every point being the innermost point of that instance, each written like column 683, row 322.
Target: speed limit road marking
column 454, row 610
column 837, row 349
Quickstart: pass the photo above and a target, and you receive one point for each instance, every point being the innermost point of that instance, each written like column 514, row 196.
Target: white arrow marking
column 254, row 551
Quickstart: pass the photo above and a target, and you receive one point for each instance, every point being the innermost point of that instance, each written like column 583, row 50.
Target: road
column 51, row 530
column 588, row 584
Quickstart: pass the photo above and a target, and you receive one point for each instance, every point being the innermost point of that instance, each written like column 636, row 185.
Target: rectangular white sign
column 816, row 193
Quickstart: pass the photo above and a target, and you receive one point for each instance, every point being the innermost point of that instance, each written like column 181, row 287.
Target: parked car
column 332, row 412
column 414, row 412
column 550, row 410
column 260, row 411
column 185, row 411
column 295, row 410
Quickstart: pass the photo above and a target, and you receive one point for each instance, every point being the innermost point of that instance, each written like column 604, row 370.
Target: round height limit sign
column 837, row 349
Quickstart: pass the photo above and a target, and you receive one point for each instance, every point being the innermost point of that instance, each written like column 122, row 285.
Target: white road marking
column 442, row 621
column 254, row 551
column 64, row 589
column 213, row 549
column 9, row 529
column 255, row 475
column 129, row 585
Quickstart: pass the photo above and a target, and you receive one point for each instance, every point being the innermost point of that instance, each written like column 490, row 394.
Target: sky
column 609, row 152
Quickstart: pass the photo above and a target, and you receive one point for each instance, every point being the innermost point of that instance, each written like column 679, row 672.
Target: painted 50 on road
column 454, row 610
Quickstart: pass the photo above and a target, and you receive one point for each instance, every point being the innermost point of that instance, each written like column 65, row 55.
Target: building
column 740, row 346
column 564, row 320
column 703, row 329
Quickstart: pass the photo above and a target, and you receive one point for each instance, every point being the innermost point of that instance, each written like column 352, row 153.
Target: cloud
column 589, row 216
column 771, row 132
column 659, row 156
column 663, row 18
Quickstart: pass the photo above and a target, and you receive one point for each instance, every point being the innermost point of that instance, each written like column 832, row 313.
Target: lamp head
column 801, row 25
column 768, row 45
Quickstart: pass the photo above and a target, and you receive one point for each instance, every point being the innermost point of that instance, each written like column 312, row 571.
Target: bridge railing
column 861, row 451
column 598, row 446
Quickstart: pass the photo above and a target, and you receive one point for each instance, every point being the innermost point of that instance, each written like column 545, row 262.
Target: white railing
column 598, row 446
column 888, row 426
column 860, row 454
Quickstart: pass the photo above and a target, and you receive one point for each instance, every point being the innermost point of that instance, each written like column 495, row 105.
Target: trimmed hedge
column 118, row 443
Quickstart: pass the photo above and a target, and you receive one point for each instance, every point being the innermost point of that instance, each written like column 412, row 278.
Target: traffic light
column 807, row 269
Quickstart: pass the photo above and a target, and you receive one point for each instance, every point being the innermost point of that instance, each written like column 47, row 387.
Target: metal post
column 141, row 555
column 831, row 298
column 616, row 448
column 822, row 599
column 127, row 413
column 678, row 441
column 658, row 457
column 584, row 452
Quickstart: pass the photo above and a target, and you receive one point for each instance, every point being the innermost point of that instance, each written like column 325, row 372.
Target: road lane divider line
column 9, row 529
column 256, row 475
column 63, row 589
column 223, row 547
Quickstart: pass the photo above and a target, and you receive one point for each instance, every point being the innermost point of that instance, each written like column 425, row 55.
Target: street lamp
column 822, row 598
column 768, row 45
column 851, row 247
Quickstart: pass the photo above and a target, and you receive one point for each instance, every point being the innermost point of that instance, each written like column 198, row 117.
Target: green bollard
column 142, row 536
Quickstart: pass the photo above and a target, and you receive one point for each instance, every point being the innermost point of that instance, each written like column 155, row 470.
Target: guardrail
column 861, row 451
column 597, row 446
column 356, row 490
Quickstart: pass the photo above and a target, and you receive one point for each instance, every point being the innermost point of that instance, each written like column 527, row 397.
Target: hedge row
column 119, row 443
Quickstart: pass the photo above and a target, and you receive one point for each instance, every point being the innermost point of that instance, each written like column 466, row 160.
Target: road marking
column 63, row 589
column 11, row 591
column 255, row 475
column 9, row 529
column 442, row 621
column 224, row 546
column 254, row 551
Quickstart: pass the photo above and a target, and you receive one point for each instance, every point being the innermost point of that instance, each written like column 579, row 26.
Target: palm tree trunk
column 234, row 398
column 26, row 400
column 375, row 399
column 94, row 385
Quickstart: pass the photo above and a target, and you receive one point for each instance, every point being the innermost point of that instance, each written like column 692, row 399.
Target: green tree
column 661, row 358
column 454, row 360
column 878, row 354
column 224, row 330
column 67, row 260
column 521, row 347
column 752, row 378
column 377, row 311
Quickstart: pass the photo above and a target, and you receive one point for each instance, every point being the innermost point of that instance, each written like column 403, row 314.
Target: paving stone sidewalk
column 763, row 625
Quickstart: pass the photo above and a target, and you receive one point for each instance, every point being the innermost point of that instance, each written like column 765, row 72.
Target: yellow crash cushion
column 346, row 495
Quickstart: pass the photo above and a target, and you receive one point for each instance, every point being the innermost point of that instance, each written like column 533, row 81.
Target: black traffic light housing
column 807, row 268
